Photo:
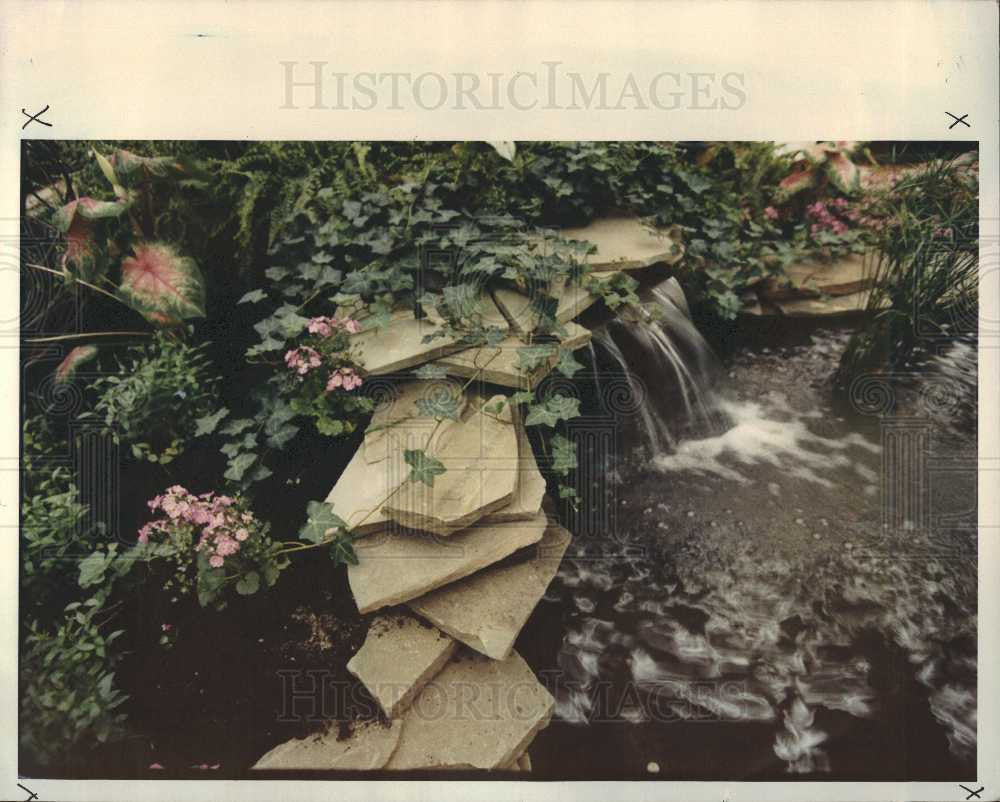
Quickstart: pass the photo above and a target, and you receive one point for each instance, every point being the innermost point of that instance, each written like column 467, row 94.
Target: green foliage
column 325, row 527
column 106, row 238
column 156, row 400
column 67, row 695
column 553, row 409
column 423, row 468
column 563, row 455
column 53, row 537
column 926, row 267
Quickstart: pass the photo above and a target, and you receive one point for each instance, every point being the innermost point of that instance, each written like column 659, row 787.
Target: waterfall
column 664, row 360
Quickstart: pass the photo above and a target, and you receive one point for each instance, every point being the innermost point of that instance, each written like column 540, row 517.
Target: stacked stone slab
column 456, row 567
column 813, row 289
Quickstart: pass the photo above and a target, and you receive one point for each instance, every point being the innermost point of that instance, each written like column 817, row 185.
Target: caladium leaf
column 85, row 252
column 78, row 356
column 132, row 168
column 796, row 182
column 844, row 174
column 162, row 285
column 504, row 147
column 88, row 209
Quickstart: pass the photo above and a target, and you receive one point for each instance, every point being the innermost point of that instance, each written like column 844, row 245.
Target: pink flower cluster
column 325, row 326
column 302, row 359
column 344, row 377
column 825, row 217
column 223, row 526
column 771, row 213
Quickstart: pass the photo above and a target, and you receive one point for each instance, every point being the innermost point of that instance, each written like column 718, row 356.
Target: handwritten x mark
column 35, row 118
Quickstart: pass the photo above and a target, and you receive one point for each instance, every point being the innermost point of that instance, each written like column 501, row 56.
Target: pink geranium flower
column 303, row 359
column 346, row 378
column 216, row 561
column 770, row 213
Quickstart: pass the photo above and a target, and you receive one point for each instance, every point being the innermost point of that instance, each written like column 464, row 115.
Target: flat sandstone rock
column 367, row 747
column 476, row 713
column 399, row 655
column 530, row 490
column 395, row 566
column 480, row 457
column 626, row 243
column 487, row 610
column 499, row 364
column 379, row 468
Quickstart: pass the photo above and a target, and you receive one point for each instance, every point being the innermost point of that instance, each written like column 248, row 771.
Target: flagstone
column 488, row 609
column 476, row 713
column 480, row 458
column 499, row 364
column 530, row 490
column 399, row 655
column 368, row 746
column 626, row 243
column 397, row 565
column 400, row 344
column 812, row 279
column 825, row 307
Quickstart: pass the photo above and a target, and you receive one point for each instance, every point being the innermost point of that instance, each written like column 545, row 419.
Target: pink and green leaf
column 162, row 285
column 83, row 255
column 844, row 174
column 87, row 208
column 139, row 168
column 107, row 169
column 78, row 356
column 796, row 182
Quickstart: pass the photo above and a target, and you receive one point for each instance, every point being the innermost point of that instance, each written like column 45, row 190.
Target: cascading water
column 759, row 612
column 668, row 361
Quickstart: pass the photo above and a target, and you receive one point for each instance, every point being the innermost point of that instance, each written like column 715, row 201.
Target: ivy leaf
column 563, row 455
column 248, row 584
column 239, row 465
column 236, row 426
column 281, row 437
column 567, row 365
column 321, row 519
column 423, row 468
column 68, row 367
column 342, row 551
column 208, row 423
column 531, row 356
column 556, row 407
column 430, row 371
column 252, row 297
column 440, row 405
column 462, row 300
column 162, row 285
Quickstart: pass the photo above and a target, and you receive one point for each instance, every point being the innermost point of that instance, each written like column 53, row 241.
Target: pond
column 765, row 608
